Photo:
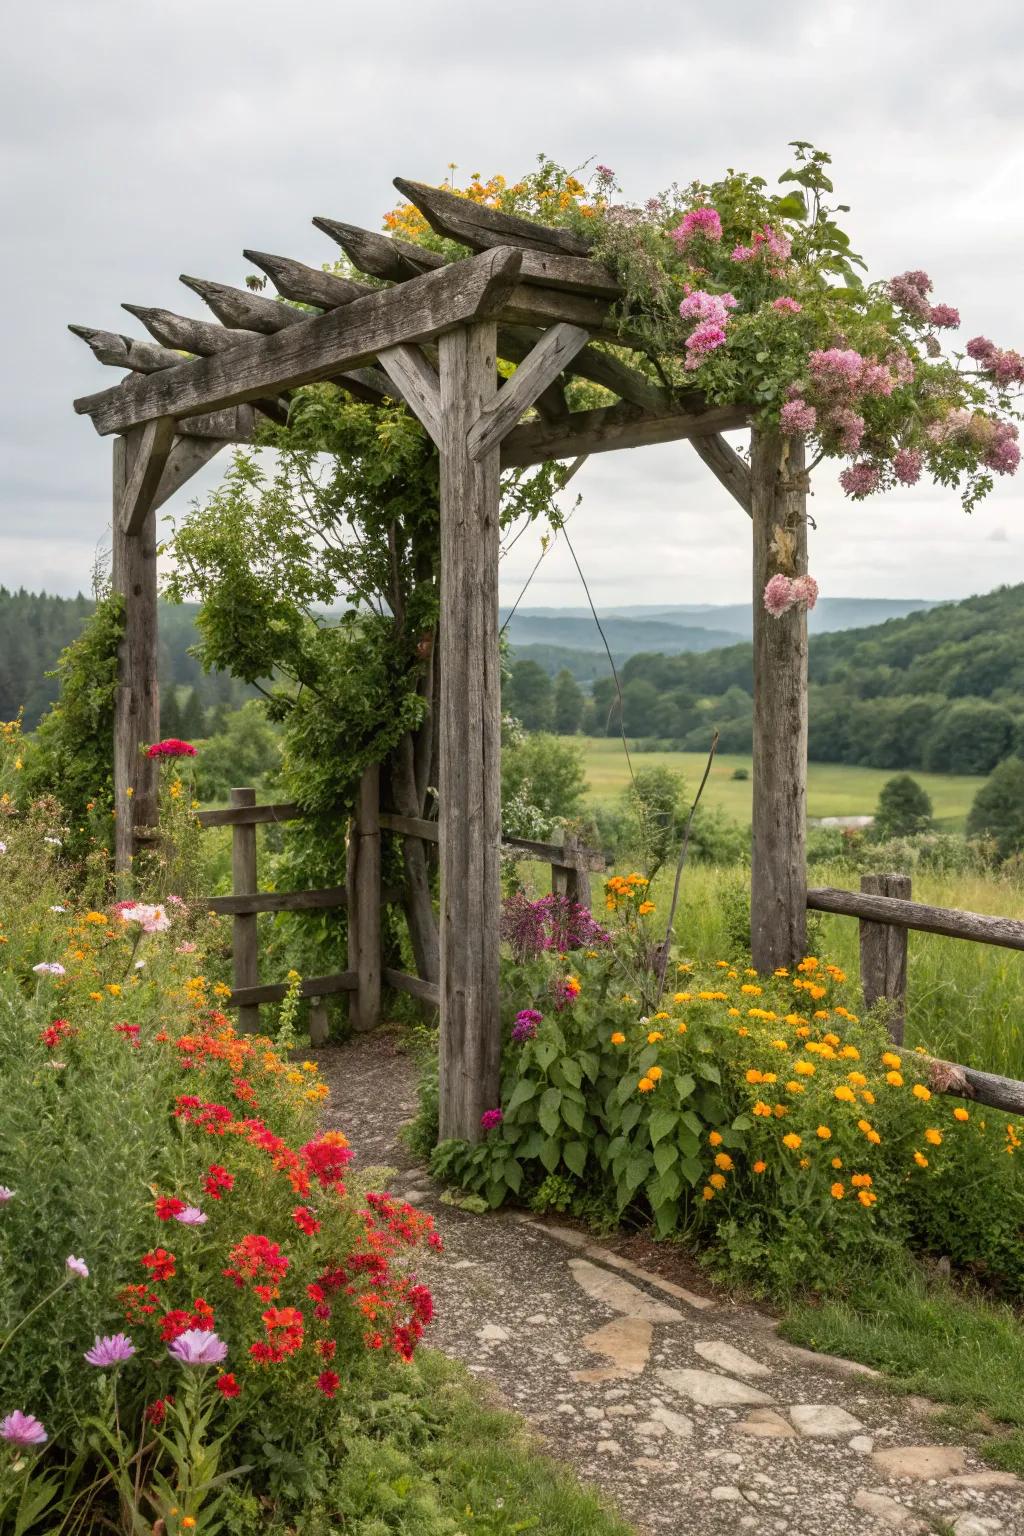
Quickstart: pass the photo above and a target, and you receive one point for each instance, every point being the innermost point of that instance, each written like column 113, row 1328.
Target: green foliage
column 542, row 783
column 72, row 751
column 998, row 809
column 904, row 808
column 655, row 805
column 529, row 696
column 245, row 751
column 570, row 702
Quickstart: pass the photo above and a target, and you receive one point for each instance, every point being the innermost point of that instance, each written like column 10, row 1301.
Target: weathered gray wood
column 539, row 369
column 119, row 351
column 364, row 902
column 579, row 861
column 344, row 338
column 307, row 285
column 480, row 227
column 1004, row 932
column 599, row 366
column 238, row 307
column 319, row 1024
column 137, row 700
column 234, row 424
column 726, row 465
column 187, row 334
column 425, row 991
column 949, row 1077
column 410, row 826
column 883, row 954
column 418, row 383
column 530, row 304
column 470, row 741
column 150, row 452
column 778, row 874
column 186, row 458
column 610, row 427
column 236, row 815
column 276, row 992
column 244, row 941
column 395, row 260
column 277, row 901
column 554, row 853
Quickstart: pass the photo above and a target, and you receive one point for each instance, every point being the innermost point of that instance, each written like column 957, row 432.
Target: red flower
column 327, row 1156
column 157, row 1411
column 172, row 747
column 53, row 1033
column 227, row 1386
column 167, row 1207
column 160, row 1263
column 257, row 1260
column 177, row 1321
column 130, row 1032
column 326, row 1348
column 217, row 1180
column 328, row 1382
column 305, row 1220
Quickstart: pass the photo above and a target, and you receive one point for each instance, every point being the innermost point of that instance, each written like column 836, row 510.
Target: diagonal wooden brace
column 539, row 368
column 416, row 379
column 148, row 456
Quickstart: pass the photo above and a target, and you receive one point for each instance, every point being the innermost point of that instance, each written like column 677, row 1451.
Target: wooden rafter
column 186, row 334
column 240, row 309
column 148, row 453
column 118, row 351
column 307, row 285
column 480, row 227
column 614, row 426
column 379, row 256
column 537, row 371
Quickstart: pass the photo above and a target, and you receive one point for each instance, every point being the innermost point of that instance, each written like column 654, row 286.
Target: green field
column 833, row 789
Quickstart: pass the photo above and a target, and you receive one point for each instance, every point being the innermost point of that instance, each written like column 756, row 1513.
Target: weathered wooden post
column 364, row 898
column 883, row 954
column 470, row 738
column 778, row 877
column 244, row 940
column 137, row 701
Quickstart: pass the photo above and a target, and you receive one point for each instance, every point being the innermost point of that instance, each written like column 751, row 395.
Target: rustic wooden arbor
column 430, row 333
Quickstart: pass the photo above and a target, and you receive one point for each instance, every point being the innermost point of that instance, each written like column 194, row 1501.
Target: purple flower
column 5, row 1194
column 48, row 968
column 525, row 1026
column 552, row 923
column 191, row 1216
column 489, row 1119
column 699, row 221
column 859, row 480
column 907, row 465
column 196, row 1347
column 77, row 1266
column 22, row 1429
column 112, row 1349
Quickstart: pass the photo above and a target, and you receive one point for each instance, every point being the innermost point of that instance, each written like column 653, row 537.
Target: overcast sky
column 143, row 140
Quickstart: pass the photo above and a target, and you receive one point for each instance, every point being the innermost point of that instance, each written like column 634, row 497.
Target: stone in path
column 717, row 1352
column 984, row 1480
column 625, row 1341
column 824, row 1421
column 618, row 1294
column 888, row 1510
column 920, row 1461
column 712, row 1390
column 766, row 1424
column 676, row 1423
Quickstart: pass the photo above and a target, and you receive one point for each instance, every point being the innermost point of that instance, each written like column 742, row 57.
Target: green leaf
column 575, row 1155
column 572, row 1114
column 742, row 1123
column 693, row 1123
column 792, row 206
column 551, row 1153
column 637, row 1169
column 662, row 1123
column 685, row 1084
column 571, row 1071
column 692, row 1169
column 512, row 1173
column 545, row 1054
column 548, row 1114
column 709, row 1071
column 665, row 1155
column 630, row 1116
column 523, row 1091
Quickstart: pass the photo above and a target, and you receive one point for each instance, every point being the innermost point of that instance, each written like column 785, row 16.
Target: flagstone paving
column 686, row 1410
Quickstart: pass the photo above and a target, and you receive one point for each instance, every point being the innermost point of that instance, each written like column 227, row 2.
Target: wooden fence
column 363, row 895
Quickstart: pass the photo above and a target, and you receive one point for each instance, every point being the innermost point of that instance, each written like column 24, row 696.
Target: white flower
column 3, row 847
column 49, row 968
column 77, row 1266
column 58, row 909
column 54, row 842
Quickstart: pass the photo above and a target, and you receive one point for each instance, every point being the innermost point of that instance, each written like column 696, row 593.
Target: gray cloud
column 140, row 141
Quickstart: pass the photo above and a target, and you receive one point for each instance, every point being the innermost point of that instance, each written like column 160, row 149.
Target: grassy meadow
column 833, row 789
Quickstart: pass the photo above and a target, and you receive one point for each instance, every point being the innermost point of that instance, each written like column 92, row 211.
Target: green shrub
column 998, row 809
column 903, row 808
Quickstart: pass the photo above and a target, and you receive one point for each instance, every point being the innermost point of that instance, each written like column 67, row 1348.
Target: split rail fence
column 363, row 895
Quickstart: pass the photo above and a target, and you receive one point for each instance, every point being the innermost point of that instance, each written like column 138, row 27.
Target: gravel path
column 686, row 1409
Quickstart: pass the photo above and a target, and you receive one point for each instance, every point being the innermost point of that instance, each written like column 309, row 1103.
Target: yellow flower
column 804, row 1069
column 645, row 1085
column 780, row 1111
column 861, row 1181
column 760, row 1165
column 850, row 1052
column 866, row 1198
column 805, row 1162
column 645, row 907
column 781, row 1045
column 762, row 1110
column 751, row 991
column 680, row 997
column 845, row 1095
column 921, row 1092
column 920, row 1160
column 654, row 1036
column 294, row 1077
column 94, row 917
column 868, row 1096
column 837, row 1162
column 792, row 1141
column 796, row 1087
column 961, row 1114
column 97, row 997
column 680, row 1029
column 220, row 990
column 717, row 1181
column 707, row 1192
column 895, row 1079
column 857, row 1079
column 724, row 1161
column 837, row 1191
column 715, row 1139
column 933, row 1136
column 114, row 988
column 618, row 1038
column 823, row 1133
column 769, row 1077
column 831, row 1039
column 654, row 1073
column 890, row 1059
column 754, row 1076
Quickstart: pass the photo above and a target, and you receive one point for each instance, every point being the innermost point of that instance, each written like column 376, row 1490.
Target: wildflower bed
column 765, row 1117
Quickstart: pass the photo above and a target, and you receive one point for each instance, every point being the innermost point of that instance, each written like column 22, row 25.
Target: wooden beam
column 186, row 458
column 949, row 1077
column 240, row 309
column 1004, row 932
column 364, row 902
column 231, row 815
column 418, row 384
column 187, row 334
column 150, row 453
column 610, row 427
column 234, row 424
column 311, row 986
column 727, row 466
column 480, row 227
column 307, row 285
column 540, row 368
column 470, row 741
column 778, row 873
column 528, row 304
column 119, row 351
column 349, row 337
column 278, row 901
column 244, row 932
column 394, row 260
column 137, row 700
column 600, row 367
column 415, row 986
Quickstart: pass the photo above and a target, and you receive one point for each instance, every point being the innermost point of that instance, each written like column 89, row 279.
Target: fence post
column 364, row 897
column 578, row 882
column 883, row 954
column 319, row 1026
column 244, row 950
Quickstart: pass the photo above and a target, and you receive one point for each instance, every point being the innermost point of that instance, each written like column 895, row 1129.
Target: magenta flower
column 22, row 1429
column 944, row 317
column 797, row 418
column 525, row 1026
column 112, row 1349
column 191, row 1216
column 699, row 221
column 705, row 338
column 489, row 1119
column 981, row 349
column 743, row 253
column 77, row 1267
column 787, row 305
column 197, row 1347
column 5, row 1194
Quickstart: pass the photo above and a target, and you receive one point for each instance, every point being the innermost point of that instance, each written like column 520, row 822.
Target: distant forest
column 941, row 690
column 35, row 628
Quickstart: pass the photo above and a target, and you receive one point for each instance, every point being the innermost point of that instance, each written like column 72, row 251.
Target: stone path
column 687, row 1410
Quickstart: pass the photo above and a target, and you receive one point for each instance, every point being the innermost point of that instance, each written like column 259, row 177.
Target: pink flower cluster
column 785, row 592
column 1005, row 366
column 910, row 291
column 699, row 221
column 151, row 919
column 787, row 305
column 797, row 418
column 767, row 242
column 711, row 311
column 996, row 441
column 860, row 479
